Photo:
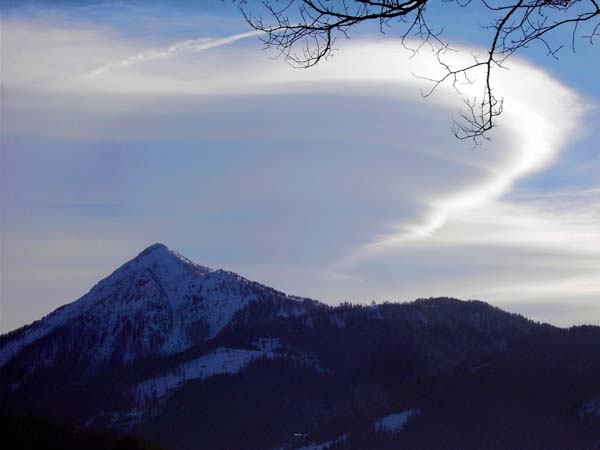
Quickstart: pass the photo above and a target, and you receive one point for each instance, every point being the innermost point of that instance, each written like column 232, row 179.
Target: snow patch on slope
column 220, row 361
column 324, row 445
column 149, row 396
column 394, row 423
column 590, row 408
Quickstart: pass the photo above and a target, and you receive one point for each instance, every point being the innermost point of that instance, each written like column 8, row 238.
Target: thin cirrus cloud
column 189, row 45
column 339, row 182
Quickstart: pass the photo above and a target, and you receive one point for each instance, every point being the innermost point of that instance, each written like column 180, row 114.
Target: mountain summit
column 159, row 257
column 158, row 303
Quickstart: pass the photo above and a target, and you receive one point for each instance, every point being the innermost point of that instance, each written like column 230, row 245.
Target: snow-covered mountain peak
column 156, row 247
column 156, row 273
column 159, row 258
column 160, row 253
column 157, row 303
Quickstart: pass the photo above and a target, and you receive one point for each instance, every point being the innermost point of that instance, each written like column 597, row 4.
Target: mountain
column 190, row 357
column 158, row 303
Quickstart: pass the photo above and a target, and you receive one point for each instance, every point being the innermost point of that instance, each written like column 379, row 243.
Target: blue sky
column 127, row 123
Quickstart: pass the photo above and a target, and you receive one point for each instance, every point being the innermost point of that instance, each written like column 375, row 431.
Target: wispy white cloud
column 338, row 182
column 173, row 50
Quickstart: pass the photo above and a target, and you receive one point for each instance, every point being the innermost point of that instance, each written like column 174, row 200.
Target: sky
column 129, row 123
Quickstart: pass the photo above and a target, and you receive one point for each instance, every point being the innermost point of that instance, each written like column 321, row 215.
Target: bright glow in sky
column 339, row 182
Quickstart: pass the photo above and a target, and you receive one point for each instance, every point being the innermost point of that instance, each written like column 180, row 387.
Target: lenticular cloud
column 331, row 167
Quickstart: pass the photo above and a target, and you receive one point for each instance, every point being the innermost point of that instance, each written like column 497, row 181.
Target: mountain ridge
column 183, row 354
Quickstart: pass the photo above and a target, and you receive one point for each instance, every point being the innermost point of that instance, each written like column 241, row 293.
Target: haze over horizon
column 126, row 124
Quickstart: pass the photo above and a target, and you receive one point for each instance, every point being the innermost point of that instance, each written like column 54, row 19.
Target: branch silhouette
column 304, row 32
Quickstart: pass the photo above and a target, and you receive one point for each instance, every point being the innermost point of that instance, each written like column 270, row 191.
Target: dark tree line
column 31, row 433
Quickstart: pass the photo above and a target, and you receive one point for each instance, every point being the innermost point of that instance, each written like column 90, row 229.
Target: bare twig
column 304, row 33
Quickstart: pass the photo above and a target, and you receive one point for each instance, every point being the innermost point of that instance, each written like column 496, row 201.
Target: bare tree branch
column 304, row 33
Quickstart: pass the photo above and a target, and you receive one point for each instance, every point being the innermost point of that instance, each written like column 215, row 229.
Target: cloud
column 338, row 182
column 173, row 50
